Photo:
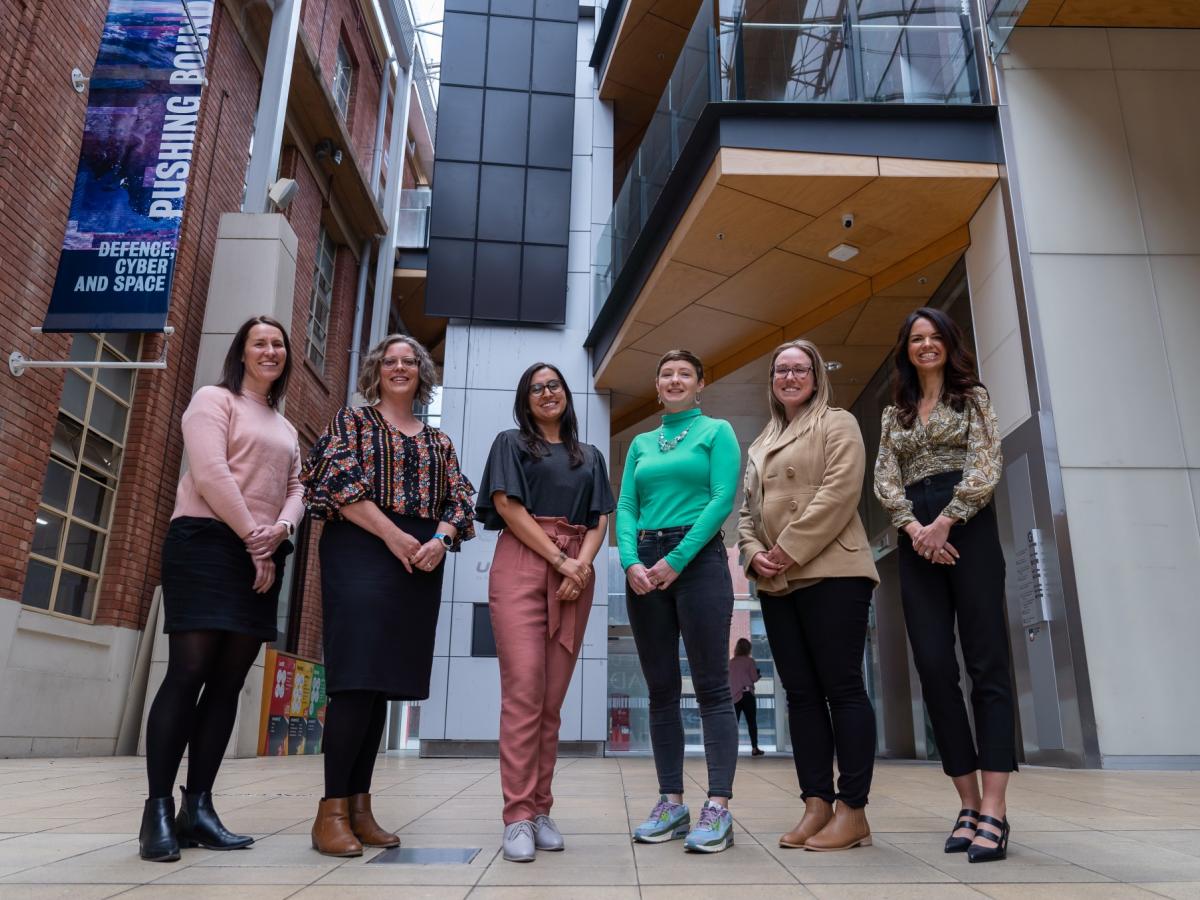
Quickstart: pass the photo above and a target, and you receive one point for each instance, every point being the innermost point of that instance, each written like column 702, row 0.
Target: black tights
column 353, row 729
column 217, row 662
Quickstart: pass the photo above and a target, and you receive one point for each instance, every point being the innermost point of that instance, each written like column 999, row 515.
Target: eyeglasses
column 538, row 389
column 798, row 371
column 408, row 362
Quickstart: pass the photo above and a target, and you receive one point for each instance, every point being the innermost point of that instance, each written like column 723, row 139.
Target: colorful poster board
column 118, row 255
column 292, row 722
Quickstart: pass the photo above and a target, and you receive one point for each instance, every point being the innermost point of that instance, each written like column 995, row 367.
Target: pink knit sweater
column 243, row 462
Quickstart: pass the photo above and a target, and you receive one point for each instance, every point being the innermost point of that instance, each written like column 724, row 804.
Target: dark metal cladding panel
column 544, row 284
column 452, row 269
column 562, row 10
column 470, row 6
column 554, row 57
column 508, row 44
column 520, row 8
column 547, row 206
column 506, row 127
column 501, row 200
column 464, row 49
column 551, row 130
column 453, row 215
column 460, row 114
column 497, row 281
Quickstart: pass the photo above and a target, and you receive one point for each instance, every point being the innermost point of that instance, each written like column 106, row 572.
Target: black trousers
column 817, row 636
column 749, row 707
column 971, row 594
column 697, row 606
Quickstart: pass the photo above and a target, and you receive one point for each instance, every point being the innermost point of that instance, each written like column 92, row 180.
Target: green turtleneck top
column 693, row 484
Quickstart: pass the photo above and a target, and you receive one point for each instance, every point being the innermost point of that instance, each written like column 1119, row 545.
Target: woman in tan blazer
column 805, row 547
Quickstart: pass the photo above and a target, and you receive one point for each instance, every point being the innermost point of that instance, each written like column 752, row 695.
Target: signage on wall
column 292, row 722
column 118, row 255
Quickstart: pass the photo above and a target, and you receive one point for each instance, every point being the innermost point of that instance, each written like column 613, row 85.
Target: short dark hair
column 234, row 370
column 742, row 647
column 531, row 434
column 686, row 356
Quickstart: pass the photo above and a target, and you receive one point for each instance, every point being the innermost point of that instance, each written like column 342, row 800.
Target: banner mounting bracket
column 18, row 362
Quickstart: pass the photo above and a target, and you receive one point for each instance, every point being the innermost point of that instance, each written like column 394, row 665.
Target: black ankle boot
column 199, row 826
column 156, row 839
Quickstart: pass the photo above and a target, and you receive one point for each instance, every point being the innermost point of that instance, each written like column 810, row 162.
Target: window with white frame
column 321, row 300
column 343, row 78
column 73, row 520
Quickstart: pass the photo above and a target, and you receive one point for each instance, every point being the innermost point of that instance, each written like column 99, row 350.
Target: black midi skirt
column 379, row 619
column 208, row 581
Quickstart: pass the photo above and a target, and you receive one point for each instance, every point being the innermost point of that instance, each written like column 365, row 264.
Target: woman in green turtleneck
column 677, row 489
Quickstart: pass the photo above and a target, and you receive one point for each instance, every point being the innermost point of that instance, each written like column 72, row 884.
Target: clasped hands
column 576, row 574
column 658, row 577
column 930, row 540
column 412, row 553
column 769, row 563
column 261, row 544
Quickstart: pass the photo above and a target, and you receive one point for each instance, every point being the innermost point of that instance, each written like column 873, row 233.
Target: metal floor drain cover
column 426, row 856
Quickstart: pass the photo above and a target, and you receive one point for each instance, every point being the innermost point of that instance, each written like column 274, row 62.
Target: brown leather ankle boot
column 331, row 832
column 817, row 813
column 365, row 828
column 848, row 828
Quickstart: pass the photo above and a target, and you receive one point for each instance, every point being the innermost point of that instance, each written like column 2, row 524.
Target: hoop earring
column 658, row 397
column 697, row 398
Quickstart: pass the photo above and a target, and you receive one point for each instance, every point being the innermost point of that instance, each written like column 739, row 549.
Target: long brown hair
column 233, row 372
column 958, row 377
column 531, row 432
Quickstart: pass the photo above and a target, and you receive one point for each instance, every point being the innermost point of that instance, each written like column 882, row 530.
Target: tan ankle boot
column 848, row 828
column 331, row 833
column 366, row 829
column 817, row 813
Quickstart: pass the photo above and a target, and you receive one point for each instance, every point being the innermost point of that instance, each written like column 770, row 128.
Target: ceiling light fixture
column 843, row 252
column 832, row 365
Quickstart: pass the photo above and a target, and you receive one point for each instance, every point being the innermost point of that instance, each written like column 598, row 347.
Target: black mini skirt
column 208, row 581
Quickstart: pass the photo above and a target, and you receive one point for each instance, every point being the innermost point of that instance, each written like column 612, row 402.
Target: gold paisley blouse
column 949, row 442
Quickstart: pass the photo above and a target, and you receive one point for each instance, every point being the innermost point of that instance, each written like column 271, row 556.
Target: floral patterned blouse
column 967, row 441
column 362, row 456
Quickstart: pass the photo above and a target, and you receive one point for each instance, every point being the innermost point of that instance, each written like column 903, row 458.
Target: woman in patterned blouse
column 939, row 462
column 395, row 501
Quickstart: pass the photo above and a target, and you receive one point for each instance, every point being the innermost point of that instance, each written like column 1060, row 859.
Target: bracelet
column 562, row 558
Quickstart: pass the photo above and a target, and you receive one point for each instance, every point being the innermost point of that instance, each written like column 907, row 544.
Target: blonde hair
column 816, row 404
column 368, row 376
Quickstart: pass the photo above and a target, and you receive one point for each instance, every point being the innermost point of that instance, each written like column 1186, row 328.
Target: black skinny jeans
column 748, row 706
column 699, row 606
column 970, row 593
column 817, row 636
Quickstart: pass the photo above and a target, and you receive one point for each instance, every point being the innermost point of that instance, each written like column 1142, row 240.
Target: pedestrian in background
column 395, row 502
column 804, row 545
column 677, row 489
column 222, row 565
column 938, row 466
column 551, row 496
column 743, row 674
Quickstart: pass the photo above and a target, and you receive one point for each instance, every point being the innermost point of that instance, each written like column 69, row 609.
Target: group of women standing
column 395, row 501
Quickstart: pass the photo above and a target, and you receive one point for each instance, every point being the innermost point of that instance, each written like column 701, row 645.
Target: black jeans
column 817, row 636
column 699, row 606
column 749, row 707
column 970, row 593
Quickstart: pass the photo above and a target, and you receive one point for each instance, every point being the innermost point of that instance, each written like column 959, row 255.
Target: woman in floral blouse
column 939, row 462
column 396, row 502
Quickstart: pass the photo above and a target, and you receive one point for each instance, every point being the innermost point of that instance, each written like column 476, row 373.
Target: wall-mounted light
column 283, row 192
column 325, row 149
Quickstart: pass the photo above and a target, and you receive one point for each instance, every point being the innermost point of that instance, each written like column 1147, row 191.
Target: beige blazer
column 802, row 493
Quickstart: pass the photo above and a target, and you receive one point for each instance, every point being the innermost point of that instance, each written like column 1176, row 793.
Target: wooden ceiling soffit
column 1112, row 13
column 811, row 183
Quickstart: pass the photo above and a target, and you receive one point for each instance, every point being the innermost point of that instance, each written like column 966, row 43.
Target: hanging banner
column 118, row 255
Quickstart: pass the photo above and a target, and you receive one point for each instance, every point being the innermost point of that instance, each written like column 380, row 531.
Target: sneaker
column 546, row 835
column 666, row 822
column 714, row 832
column 519, row 842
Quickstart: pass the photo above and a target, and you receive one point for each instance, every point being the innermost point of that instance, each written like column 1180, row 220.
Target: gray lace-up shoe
column 546, row 835
column 519, row 842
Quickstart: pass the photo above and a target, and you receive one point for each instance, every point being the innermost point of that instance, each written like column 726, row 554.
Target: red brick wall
column 41, row 120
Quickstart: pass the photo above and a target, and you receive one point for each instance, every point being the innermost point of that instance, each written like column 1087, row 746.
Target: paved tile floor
column 67, row 829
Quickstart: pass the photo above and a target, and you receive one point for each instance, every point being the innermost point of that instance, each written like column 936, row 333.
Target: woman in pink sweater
column 222, row 564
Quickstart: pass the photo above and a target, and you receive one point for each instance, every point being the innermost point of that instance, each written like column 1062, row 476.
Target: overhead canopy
column 1112, row 13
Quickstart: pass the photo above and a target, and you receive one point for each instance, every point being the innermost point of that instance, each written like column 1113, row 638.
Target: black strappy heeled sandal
column 975, row 853
column 960, row 844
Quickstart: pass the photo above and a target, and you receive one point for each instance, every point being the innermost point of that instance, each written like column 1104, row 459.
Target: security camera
column 847, row 220
column 283, row 192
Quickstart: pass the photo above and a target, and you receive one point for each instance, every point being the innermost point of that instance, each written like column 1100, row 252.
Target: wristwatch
column 446, row 540
column 291, row 529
